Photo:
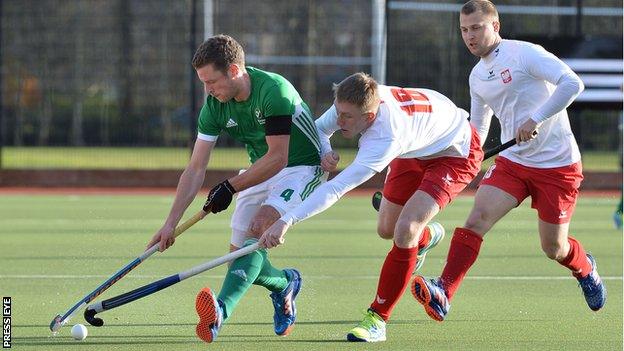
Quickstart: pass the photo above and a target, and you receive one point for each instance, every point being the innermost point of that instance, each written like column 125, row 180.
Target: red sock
column 425, row 237
column 462, row 255
column 576, row 261
column 394, row 278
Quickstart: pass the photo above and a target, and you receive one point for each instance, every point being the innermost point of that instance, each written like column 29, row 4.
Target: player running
column 265, row 112
column 528, row 89
column 432, row 153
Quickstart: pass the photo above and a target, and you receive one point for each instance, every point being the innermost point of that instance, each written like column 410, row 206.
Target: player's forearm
column 568, row 88
column 264, row 168
column 329, row 193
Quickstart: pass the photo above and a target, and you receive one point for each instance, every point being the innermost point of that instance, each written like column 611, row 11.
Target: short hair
column 484, row 6
column 359, row 89
column 221, row 51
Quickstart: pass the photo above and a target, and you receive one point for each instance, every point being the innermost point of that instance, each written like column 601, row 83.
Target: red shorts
column 553, row 191
column 442, row 178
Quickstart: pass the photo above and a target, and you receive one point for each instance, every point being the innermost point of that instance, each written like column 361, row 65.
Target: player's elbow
column 574, row 82
column 281, row 161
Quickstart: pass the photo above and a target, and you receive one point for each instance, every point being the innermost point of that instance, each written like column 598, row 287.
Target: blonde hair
column 484, row 6
column 358, row 89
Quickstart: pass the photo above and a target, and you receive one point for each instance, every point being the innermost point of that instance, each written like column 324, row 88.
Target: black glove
column 219, row 197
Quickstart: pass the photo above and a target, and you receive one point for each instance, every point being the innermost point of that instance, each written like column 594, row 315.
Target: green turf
column 58, row 248
column 176, row 158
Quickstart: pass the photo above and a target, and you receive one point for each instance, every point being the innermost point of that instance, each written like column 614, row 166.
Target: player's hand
column 274, row 236
column 219, row 197
column 329, row 161
column 527, row 131
column 164, row 237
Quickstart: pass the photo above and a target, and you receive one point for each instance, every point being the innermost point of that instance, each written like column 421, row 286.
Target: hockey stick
column 60, row 321
column 377, row 196
column 95, row 308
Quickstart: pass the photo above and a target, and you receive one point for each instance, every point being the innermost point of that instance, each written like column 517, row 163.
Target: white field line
column 320, row 277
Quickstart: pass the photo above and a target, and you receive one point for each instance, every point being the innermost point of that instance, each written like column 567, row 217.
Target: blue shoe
column 284, row 303
column 436, row 230
column 617, row 219
column 371, row 329
column 210, row 315
column 431, row 295
column 593, row 288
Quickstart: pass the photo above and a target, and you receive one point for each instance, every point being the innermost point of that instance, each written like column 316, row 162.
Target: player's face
column 216, row 83
column 480, row 32
column 351, row 120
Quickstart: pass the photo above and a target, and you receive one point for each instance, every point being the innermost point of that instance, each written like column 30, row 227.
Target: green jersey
column 271, row 95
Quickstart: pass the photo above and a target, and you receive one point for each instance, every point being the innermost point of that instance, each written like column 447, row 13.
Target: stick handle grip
column 189, row 223
column 493, row 151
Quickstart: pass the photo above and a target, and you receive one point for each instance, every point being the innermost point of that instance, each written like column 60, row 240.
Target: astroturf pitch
column 57, row 248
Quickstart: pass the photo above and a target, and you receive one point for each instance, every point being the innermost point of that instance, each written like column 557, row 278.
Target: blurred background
column 107, row 84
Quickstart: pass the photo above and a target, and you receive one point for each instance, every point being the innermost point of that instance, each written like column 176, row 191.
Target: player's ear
column 370, row 116
column 496, row 25
column 233, row 70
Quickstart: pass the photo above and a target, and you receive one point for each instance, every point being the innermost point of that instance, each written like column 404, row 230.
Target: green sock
column 239, row 277
column 270, row 277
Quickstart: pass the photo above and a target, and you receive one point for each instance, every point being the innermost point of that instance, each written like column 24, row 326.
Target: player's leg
column 554, row 193
column 388, row 214
column 435, row 294
column 500, row 191
column 241, row 272
column 401, row 260
column 287, row 190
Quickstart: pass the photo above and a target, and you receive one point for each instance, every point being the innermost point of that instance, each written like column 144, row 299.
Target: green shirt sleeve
column 280, row 101
column 207, row 123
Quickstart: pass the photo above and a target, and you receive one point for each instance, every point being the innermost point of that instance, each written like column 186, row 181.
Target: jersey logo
column 259, row 116
column 231, row 123
column 491, row 74
column 506, row 75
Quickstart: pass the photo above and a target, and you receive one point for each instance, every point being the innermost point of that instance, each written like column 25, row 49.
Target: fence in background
column 112, row 73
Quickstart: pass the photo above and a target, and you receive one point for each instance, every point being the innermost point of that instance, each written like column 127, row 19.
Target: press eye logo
column 6, row 322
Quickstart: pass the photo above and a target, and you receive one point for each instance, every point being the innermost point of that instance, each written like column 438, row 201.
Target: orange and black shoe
column 432, row 296
column 210, row 315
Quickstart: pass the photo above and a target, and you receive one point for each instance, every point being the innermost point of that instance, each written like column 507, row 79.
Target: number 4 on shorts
column 286, row 194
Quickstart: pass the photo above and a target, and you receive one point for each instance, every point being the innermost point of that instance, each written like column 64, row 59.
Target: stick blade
column 56, row 324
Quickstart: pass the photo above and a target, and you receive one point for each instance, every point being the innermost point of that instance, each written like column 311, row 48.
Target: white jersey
column 410, row 123
column 518, row 81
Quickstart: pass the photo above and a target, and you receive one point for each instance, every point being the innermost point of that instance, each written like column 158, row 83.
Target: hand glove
column 219, row 197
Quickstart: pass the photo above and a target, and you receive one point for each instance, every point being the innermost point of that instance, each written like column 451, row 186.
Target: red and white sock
column 576, row 261
column 394, row 278
column 462, row 255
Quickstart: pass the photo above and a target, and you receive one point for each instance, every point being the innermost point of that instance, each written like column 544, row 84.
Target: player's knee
column 478, row 221
column 554, row 250
column 257, row 227
column 384, row 231
column 407, row 229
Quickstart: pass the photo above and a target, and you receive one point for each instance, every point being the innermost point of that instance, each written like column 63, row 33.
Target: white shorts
column 284, row 191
